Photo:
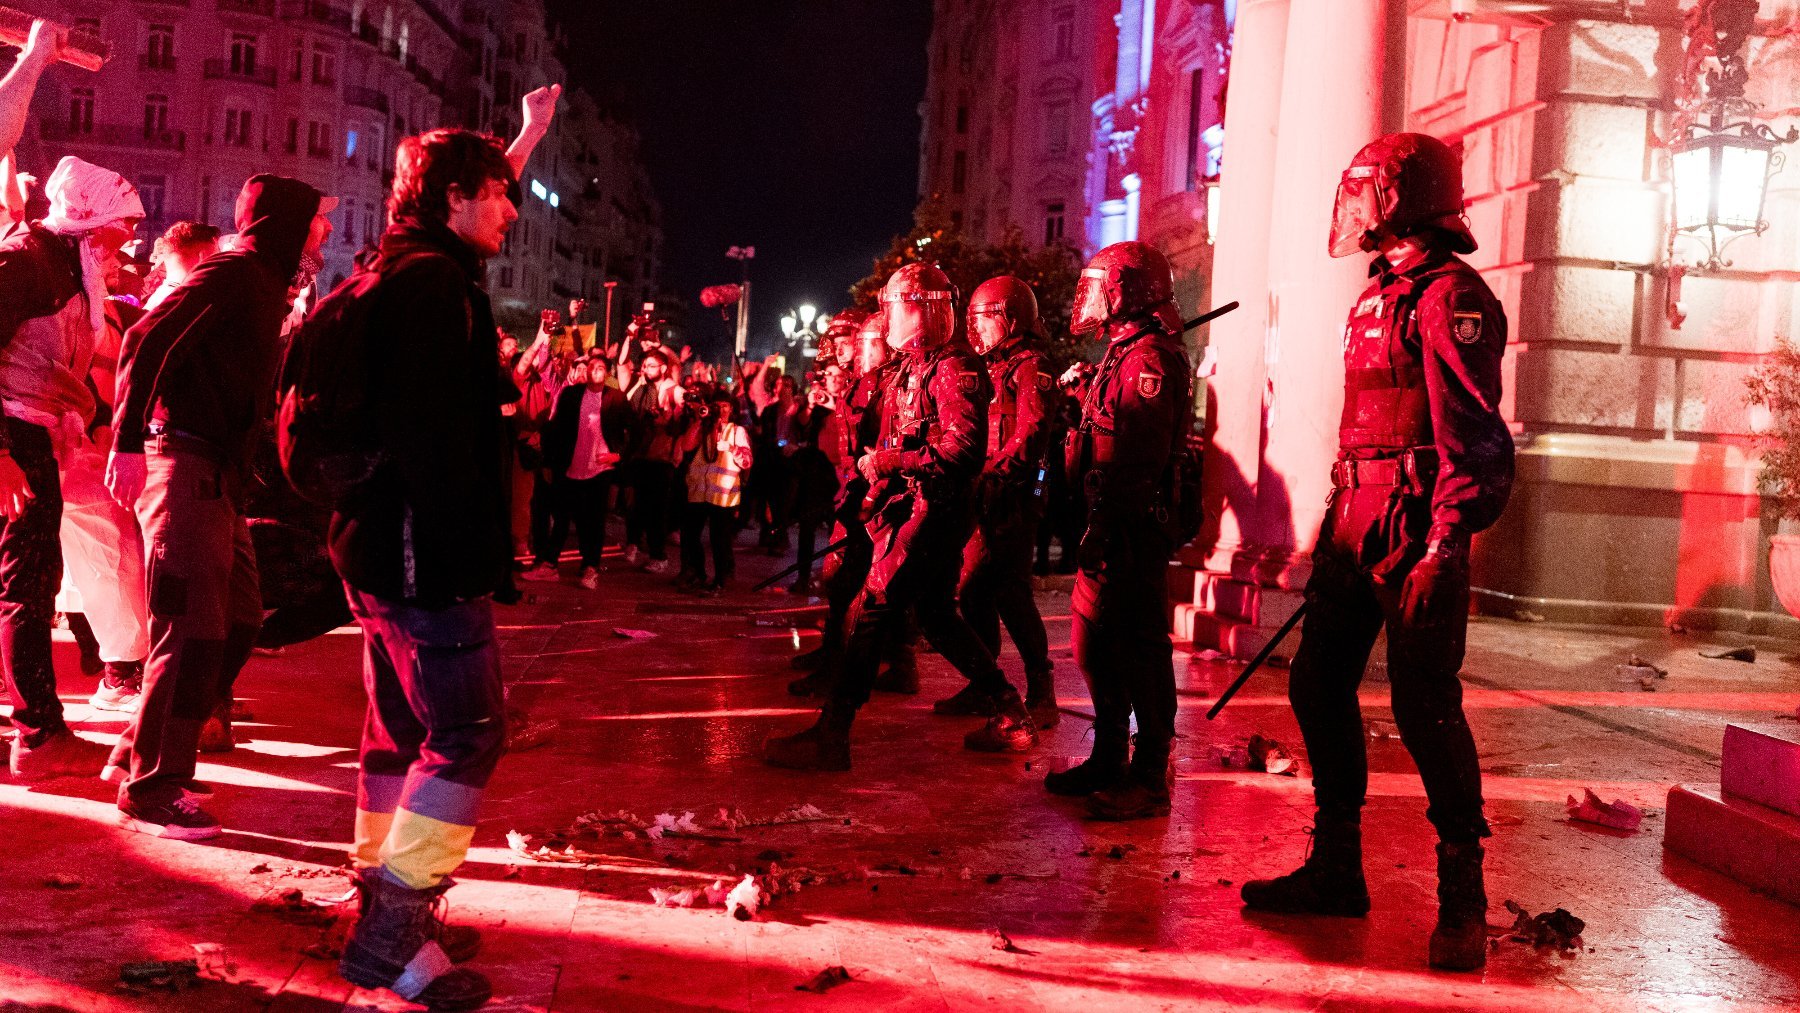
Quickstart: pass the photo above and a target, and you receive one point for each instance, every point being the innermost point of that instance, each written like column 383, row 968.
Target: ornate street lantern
column 1723, row 157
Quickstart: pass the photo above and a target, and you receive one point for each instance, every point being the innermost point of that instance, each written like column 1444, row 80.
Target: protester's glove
column 1436, row 587
column 879, row 464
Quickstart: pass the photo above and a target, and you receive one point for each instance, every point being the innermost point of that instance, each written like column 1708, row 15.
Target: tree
column 1051, row 271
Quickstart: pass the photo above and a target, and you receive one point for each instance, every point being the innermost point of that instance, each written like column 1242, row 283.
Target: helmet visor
column 1091, row 306
column 918, row 319
column 1357, row 214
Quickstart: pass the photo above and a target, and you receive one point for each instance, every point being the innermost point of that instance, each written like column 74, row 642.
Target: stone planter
column 1784, row 571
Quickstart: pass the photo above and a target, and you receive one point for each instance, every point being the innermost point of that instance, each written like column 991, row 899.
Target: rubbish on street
column 1527, row 616
column 825, row 980
column 213, row 961
column 62, row 881
column 1381, row 729
column 1271, row 756
column 1002, row 942
column 1637, row 671
column 674, row 898
column 173, row 975
column 744, row 899
column 1556, row 929
column 1744, row 653
column 1618, row 814
column 620, row 631
column 294, row 906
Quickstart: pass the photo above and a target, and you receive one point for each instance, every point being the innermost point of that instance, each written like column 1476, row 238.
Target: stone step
column 1761, row 764
column 1753, row 844
column 1231, row 598
column 1227, row 636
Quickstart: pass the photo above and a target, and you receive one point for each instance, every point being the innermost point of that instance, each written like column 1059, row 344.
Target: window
column 1056, row 128
column 90, row 26
column 962, row 118
column 318, row 139
column 324, row 66
column 150, row 192
column 405, row 39
column 350, row 138
column 349, row 221
column 81, row 110
column 237, row 127
column 292, row 146
column 243, row 54
column 959, row 172
column 1053, row 222
column 1062, row 32
column 372, row 151
column 159, row 47
column 298, row 65
column 506, row 276
column 156, row 115
column 206, row 200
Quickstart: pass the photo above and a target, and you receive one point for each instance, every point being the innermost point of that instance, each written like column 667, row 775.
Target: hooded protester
column 52, row 307
column 196, row 383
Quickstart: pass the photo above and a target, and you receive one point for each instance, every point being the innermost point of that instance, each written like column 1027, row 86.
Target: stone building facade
column 200, row 94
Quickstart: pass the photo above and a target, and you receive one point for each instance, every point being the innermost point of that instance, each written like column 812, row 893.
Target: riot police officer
column 1134, row 415
column 1009, row 495
column 919, row 519
column 1425, row 461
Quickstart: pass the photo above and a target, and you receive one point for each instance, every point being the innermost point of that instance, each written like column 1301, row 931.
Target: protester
column 196, row 383
column 814, row 468
column 722, row 456
column 657, row 420
column 777, row 439
column 591, row 419
column 183, row 247
column 52, row 312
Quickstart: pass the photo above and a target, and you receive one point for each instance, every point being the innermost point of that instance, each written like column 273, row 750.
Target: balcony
column 366, row 98
column 266, row 8
column 115, row 136
column 160, row 62
column 221, row 70
column 315, row 12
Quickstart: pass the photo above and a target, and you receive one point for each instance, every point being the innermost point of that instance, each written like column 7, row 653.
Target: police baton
column 1261, row 656
column 1209, row 316
column 826, row 551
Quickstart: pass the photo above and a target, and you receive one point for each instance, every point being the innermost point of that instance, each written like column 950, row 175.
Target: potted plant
column 1774, row 387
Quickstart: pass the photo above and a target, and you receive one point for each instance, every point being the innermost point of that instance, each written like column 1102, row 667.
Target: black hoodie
column 203, row 362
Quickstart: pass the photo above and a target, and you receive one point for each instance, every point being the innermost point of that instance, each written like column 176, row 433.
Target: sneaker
column 119, row 687
column 179, row 820
column 590, row 578
column 62, row 754
column 633, row 555
column 658, row 567
column 541, row 572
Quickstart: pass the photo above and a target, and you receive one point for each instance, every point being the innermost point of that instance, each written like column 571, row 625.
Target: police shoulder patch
column 1466, row 326
column 1045, row 381
column 1149, row 385
column 968, row 383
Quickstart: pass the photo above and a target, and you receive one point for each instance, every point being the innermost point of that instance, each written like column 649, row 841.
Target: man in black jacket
column 584, row 442
column 196, row 383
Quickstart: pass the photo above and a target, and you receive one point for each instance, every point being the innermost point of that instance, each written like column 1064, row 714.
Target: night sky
column 788, row 125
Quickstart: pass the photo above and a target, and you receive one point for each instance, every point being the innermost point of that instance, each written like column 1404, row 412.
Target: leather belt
column 1414, row 466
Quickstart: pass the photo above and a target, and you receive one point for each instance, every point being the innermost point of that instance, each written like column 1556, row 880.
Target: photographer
column 721, row 456
column 583, row 441
column 655, row 402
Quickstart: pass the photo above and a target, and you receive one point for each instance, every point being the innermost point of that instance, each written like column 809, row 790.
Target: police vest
column 1003, row 411
column 1386, row 407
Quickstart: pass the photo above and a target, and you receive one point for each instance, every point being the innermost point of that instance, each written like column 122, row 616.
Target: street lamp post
column 606, row 341
column 797, row 327
column 743, row 255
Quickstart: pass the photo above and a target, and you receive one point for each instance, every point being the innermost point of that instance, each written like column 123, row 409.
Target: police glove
column 1091, row 553
column 1437, row 586
column 879, row 464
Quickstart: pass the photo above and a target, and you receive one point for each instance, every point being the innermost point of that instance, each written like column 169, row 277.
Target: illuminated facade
column 199, row 95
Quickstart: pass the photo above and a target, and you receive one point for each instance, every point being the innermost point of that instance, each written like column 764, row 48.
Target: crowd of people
column 212, row 456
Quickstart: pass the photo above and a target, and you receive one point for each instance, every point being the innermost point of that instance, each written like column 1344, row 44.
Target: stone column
column 1332, row 102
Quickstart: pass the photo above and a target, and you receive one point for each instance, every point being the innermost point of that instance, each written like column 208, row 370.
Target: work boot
column 901, row 676
column 120, row 687
column 60, row 754
column 215, row 734
column 460, row 943
column 1040, row 699
column 1329, row 882
column 969, row 702
column 1104, row 769
column 811, row 661
column 1009, row 731
column 824, row 746
column 1459, row 942
column 1144, row 792
column 818, row 683
column 394, row 946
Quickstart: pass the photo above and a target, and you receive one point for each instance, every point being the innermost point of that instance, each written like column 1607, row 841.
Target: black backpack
column 324, row 419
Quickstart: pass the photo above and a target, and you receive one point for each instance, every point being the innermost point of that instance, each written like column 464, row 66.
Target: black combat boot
column 1040, row 699
column 393, row 947
column 1330, row 882
column 1459, row 942
column 971, row 701
column 811, row 661
column 460, row 943
column 901, row 676
column 1103, row 770
column 1142, row 794
column 824, row 746
column 1008, row 731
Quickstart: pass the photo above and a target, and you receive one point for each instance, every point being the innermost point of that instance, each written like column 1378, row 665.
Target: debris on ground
column 1527, row 616
column 1556, row 929
column 523, row 733
column 629, row 634
column 295, row 906
column 173, row 975
column 825, row 981
column 1231, row 756
column 62, row 881
column 1644, row 673
column 1002, row 942
column 674, row 898
column 1271, row 757
column 562, row 852
column 1207, row 654
column 1744, row 653
column 1381, row 729
column 214, row 962
column 259, row 868
column 744, row 899
column 1618, row 814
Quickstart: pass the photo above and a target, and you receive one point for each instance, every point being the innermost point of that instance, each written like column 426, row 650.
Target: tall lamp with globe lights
column 797, row 328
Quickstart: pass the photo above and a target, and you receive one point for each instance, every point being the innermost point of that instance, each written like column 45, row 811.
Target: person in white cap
column 52, row 308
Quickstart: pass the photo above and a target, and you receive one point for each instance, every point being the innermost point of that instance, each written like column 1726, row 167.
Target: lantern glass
column 1693, row 181
column 789, row 325
column 1743, row 173
column 808, row 313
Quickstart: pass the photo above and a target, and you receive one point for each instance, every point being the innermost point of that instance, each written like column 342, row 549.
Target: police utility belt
column 1416, row 468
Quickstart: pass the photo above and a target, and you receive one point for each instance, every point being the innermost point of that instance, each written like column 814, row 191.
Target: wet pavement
column 923, row 850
